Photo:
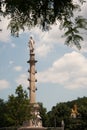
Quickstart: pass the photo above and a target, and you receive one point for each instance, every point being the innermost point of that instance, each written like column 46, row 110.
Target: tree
column 2, row 113
column 18, row 107
column 59, row 112
column 44, row 13
column 43, row 114
column 62, row 111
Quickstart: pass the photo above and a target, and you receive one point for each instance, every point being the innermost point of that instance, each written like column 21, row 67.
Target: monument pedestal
column 41, row 128
column 32, row 128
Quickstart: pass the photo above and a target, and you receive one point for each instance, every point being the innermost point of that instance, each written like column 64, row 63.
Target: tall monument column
column 31, row 79
column 35, row 120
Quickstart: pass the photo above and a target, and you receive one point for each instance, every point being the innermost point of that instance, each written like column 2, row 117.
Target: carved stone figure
column 31, row 44
column 37, row 122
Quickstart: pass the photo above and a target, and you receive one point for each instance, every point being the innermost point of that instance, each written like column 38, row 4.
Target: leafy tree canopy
column 62, row 111
column 43, row 13
column 18, row 107
column 16, row 110
column 43, row 114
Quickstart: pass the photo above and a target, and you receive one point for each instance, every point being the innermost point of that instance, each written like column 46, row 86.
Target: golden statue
column 74, row 112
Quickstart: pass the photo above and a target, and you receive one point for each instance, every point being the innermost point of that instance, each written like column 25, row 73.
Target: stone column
column 32, row 80
column 36, row 119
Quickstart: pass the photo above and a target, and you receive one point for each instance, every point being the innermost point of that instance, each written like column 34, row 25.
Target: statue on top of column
column 31, row 44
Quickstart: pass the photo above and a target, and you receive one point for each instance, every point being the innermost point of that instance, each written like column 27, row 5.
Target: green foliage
column 43, row 114
column 44, row 13
column 62, row 111
column 16, row 109
column 2, row 113
column 59, row 112
column 73, row 31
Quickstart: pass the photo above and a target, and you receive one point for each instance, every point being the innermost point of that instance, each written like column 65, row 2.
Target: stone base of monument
column 41, row 128
column 32, row 128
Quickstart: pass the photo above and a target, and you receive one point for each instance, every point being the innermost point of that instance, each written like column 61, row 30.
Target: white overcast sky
column 62, row 71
